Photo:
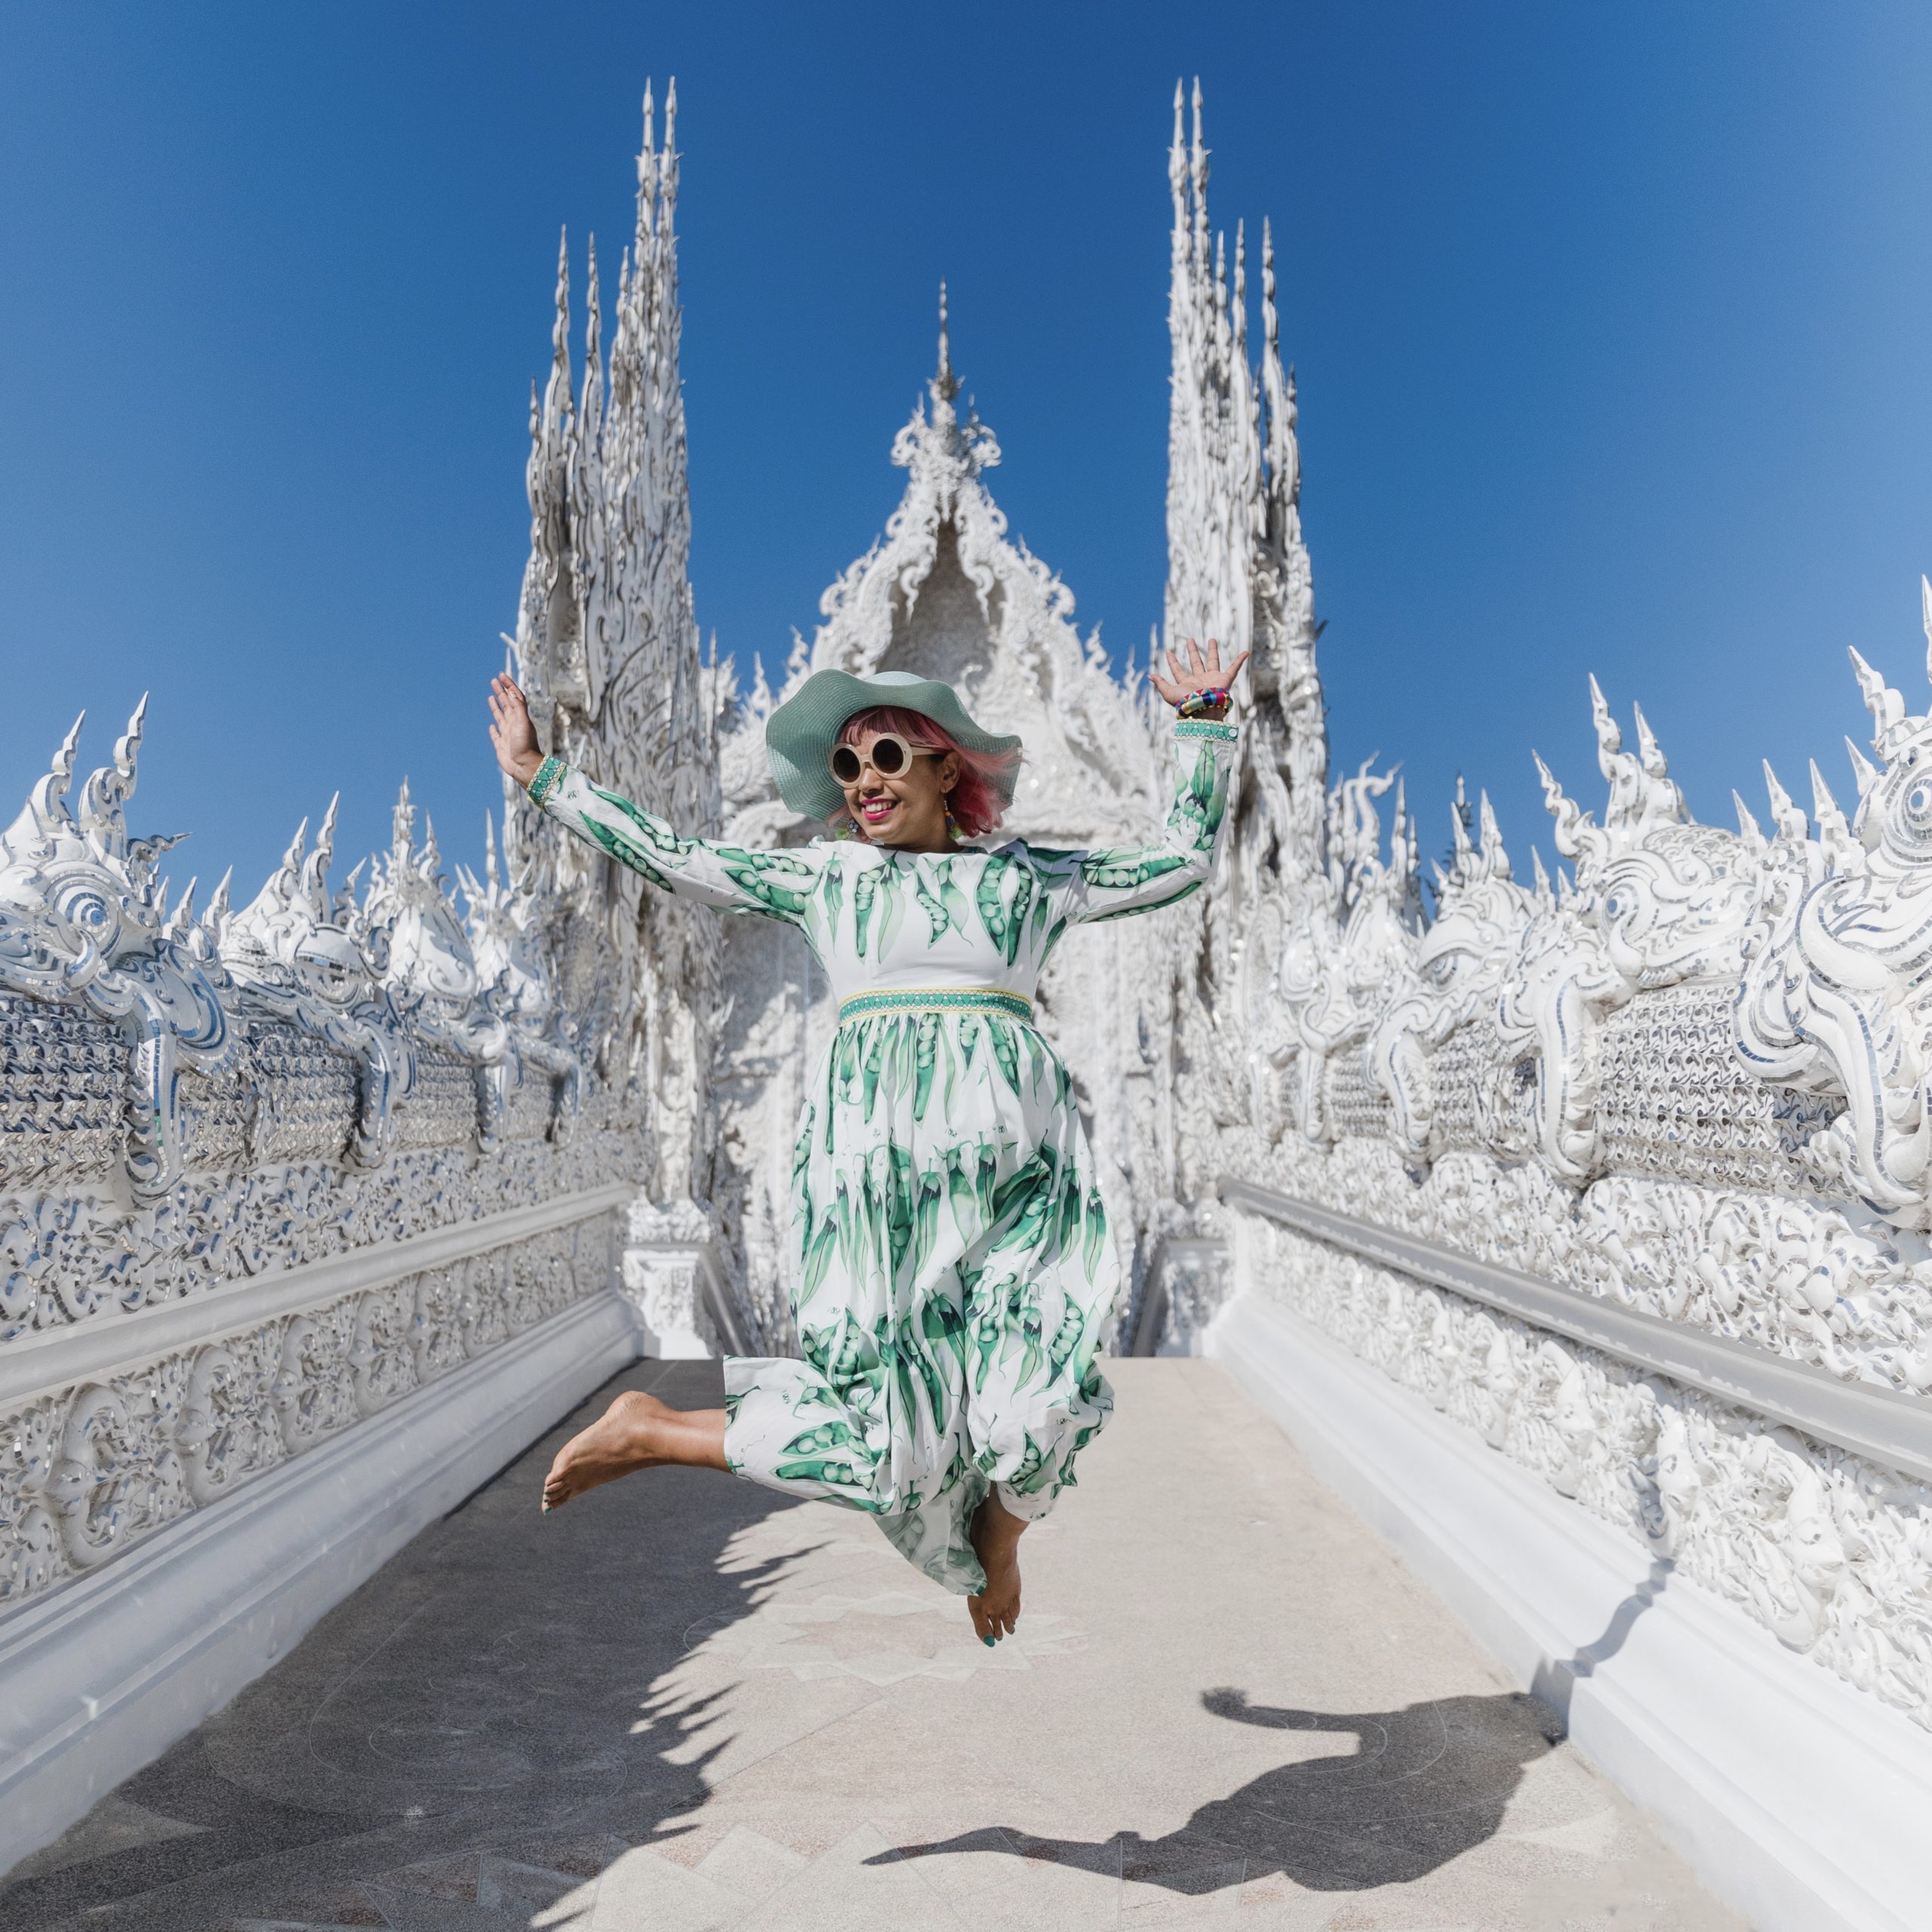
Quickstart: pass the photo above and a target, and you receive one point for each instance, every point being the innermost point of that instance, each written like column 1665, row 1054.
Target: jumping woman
column 949, row 1265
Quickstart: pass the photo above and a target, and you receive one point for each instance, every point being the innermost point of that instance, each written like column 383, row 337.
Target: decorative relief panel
column 1829, row 1552
column 63, row 1084
column 89, row 1471
column 1481, row 1097
column 83, row 1257
column 306, row 1102
column 1677, row 1100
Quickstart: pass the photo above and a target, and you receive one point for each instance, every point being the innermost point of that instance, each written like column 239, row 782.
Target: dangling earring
column 951, row 823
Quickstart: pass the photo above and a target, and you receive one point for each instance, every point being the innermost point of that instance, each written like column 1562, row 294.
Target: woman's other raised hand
column 1203, row 672
column 511, row 731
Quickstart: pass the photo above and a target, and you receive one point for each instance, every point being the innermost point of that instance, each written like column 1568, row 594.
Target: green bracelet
column 545, row 780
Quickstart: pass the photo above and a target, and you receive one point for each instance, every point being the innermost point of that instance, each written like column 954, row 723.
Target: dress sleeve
column 1111, row 884
column 777, row 885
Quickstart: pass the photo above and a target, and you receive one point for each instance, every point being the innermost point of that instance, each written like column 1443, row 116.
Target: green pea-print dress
column 949, row 1260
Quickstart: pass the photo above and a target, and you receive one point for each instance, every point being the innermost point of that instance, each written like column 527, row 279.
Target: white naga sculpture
column 1690, row 1079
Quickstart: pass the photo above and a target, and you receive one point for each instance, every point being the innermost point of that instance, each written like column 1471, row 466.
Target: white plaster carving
column 1826, row 1550
column 670, row 1273
column 606, row 646
column 91, row 1469
column 82, row 920
column 1691, row 1073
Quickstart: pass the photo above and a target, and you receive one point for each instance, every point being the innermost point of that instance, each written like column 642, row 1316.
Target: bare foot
column 996, row 1533
column 635, row 1432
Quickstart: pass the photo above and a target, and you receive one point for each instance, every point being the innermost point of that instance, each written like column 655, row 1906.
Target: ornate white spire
column 607, row 645
column 1237, row 569
column 945, row 592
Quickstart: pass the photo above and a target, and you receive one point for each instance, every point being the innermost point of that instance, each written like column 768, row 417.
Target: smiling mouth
column 874, row 810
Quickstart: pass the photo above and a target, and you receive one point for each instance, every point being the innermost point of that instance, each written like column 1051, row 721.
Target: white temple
column 1578, row 1231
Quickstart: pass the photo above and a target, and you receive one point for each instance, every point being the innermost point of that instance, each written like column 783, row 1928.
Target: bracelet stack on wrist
column 1212, row 705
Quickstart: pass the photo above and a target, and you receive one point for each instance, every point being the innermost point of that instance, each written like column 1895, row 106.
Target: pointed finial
column 593, row 322
column 1791, row 823
column 1241, row 282
column 1541, row 872
column 62, row 769
column 1886, row 705
column 1459, row 820
column 945, row 385
column 1925, row 613
column 1494, row 856
column 128, row 747
column 1197, row 169
column 1862, row 769
column 1833, row 830
column 1177, row 166
column 104, row 797
column 402, row 824
column 1552, row 792
column 47, row 800
column 310, row 877
column 1748, row 827
column 1649, row 755
column 1609, row 738
column 1824, row 807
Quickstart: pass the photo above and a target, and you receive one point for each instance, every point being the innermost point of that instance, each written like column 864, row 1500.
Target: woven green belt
column 955, row 999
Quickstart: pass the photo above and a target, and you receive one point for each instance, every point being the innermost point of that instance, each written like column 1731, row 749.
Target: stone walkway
column 682, row 1703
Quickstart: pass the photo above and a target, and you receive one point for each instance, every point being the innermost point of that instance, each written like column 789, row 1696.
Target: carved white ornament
column 89, row 1469
column 1692, row 1074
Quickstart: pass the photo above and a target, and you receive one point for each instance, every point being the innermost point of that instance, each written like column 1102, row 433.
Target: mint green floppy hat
column 800, row 734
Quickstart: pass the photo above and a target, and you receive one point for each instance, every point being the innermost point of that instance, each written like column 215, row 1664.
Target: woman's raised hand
column 1203, row 672
column 511, row 731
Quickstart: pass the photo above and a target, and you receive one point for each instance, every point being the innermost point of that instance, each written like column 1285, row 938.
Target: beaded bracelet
column 1199, row 704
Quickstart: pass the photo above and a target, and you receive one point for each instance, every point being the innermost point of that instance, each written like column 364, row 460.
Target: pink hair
column 976, row 800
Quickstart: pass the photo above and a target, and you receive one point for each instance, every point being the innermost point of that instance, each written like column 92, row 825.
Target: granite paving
column 683, row 1703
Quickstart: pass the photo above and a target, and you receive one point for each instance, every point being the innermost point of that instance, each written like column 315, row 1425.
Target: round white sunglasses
column 888, row 755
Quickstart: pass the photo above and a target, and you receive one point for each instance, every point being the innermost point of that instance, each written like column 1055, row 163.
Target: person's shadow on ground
column 1424, row 1784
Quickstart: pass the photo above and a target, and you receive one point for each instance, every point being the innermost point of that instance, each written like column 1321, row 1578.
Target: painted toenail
column 988, row 1641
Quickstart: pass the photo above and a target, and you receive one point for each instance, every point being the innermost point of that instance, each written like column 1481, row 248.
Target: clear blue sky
column 1612, row 328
